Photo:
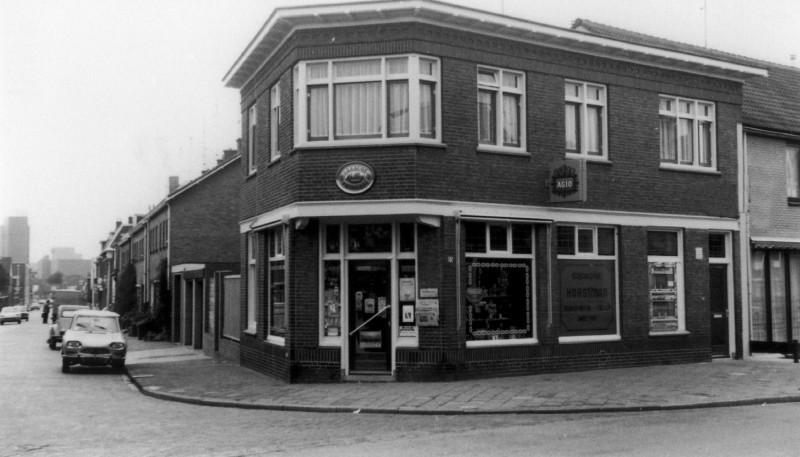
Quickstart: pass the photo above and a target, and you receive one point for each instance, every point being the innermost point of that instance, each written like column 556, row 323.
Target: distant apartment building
column 15, row 239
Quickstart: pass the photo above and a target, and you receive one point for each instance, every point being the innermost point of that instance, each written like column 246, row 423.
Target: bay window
column 499, row 286
column 587, row 271
column 501, row 109
column 687, row 133
column 665, row 272
column 585, row 119
column 361, row 101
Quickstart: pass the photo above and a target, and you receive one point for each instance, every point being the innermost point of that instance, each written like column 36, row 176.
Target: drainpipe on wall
column 744, row 237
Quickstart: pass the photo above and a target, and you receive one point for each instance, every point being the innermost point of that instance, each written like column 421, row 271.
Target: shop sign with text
column 355, row 177
column 567, row 181
column 588, row 297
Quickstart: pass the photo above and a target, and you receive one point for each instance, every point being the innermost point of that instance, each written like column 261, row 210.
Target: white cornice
column 284, row 21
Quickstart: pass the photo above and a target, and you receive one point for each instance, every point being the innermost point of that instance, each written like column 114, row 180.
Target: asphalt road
column 96, row 412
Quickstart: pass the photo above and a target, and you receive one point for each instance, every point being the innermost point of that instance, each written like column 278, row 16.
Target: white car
column 10, row 314
column 93, row 339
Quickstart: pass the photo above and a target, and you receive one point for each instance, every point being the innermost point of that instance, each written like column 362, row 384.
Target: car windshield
column 95, row 324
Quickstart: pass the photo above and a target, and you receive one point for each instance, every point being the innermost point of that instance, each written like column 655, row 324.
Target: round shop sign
column 355, row 177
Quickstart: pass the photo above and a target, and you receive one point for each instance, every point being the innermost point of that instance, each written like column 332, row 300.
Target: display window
column 665, row 273
column 587, row 271
column 500, row 283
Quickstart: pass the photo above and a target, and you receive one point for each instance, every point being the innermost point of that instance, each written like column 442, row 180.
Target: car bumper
column 90, row 357
column 10, row 319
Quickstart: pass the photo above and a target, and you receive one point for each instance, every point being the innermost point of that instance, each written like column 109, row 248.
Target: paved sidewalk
column 174, row 372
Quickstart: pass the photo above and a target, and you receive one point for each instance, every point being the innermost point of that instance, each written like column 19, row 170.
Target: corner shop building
column 433, row 192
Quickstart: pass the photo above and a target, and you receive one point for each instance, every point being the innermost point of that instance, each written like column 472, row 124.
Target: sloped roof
column 771, row 103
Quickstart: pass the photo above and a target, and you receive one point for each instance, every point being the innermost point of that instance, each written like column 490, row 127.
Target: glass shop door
column 370, row 314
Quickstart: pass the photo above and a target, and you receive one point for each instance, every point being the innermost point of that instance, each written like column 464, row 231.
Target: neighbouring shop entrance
column 369, row 311
column 719, row 310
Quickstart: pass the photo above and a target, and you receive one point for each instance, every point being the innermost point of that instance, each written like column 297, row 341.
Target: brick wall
column 770, row 213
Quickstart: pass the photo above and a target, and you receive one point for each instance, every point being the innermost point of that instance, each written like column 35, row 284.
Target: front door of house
column 369, row 311
column 719, row 310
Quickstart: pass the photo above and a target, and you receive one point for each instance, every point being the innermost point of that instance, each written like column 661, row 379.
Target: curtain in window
column 427, row 124
column 685, row 138
column 758, row 305
column 793, row 172
column 511, row 120
column 704, row 143
column 668, row 139
column 594, row 130
column 777, row 288
column 357, row 108
column 486, row 119
column 398, row 108
column 318, row 112
column 572, row 124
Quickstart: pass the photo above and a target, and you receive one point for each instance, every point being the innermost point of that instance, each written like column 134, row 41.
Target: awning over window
column 775, row 243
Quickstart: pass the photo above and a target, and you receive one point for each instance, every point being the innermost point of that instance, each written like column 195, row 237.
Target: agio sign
column 355, row 177
column 567, row 181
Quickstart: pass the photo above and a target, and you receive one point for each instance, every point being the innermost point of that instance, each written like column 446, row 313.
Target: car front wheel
column 64, row 366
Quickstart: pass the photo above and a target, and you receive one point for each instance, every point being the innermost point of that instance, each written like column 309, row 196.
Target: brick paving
column 174, row 372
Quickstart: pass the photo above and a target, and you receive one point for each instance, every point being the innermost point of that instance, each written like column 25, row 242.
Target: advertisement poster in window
column 663, row 297
column 588, row 297
column 428, row 312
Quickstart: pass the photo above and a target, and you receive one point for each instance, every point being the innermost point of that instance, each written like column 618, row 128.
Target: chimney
column 130, row 220
column 118, row 224
column 173, row 183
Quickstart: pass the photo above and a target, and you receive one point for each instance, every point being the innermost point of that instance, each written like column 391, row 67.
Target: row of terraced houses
column 424, row 191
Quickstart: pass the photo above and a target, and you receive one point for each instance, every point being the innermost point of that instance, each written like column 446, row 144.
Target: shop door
column 369, row 302
column 719, row 310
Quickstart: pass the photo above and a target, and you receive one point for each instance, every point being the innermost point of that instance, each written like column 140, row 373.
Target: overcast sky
column 102, row 100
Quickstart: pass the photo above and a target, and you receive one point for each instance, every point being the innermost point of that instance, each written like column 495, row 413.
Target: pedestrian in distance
column 45, row 311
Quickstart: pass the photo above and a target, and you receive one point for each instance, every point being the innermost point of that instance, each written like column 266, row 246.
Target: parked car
column 23, row 312
column 62, row 323
column 94, row 339
column 10, row 314
column 38, row 304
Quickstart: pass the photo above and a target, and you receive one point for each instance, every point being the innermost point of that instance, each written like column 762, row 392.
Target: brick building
column 770, row 198
column 183, row 249
column 436, row 192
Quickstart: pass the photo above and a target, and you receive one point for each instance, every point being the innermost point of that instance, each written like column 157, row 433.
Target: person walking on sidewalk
column 45, row 312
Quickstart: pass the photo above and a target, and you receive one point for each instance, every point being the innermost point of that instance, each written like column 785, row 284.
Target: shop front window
column 665, row 273
column 587, row 271
column 277, row 311
column 499, row 286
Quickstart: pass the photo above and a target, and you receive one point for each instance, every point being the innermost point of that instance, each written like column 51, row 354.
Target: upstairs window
column 501, row 109
column 274, row 121
column 687, row 133
column 793, row 174
column 585, row 119
column 251, row 138
column 364, row 101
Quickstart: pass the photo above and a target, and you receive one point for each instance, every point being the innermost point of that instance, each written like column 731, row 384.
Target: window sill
column 274, row 161
column 675, row 333
column 601, row 160
column 251, row 175
column 276, row 340
column 503, row 150
column 793, row 201
column 493, row 343
column 250, row 332
column 689, row 169
column 588, row 339
column 371, row 142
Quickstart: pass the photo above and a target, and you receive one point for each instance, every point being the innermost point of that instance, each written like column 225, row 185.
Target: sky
column 102, row 100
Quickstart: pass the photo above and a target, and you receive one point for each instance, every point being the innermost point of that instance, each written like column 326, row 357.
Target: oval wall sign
column 355, row 177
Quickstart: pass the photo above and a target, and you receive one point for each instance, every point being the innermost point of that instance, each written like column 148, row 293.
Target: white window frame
column 278, row 256
column 594, row 254
column 584, row 102
column 669, row 106
column 252, row 283
column 252, row 124
column 500, row 88
column 274, row 121
column 508, row 253
column 415, row 78
column 679, row 278
column 793, row 173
